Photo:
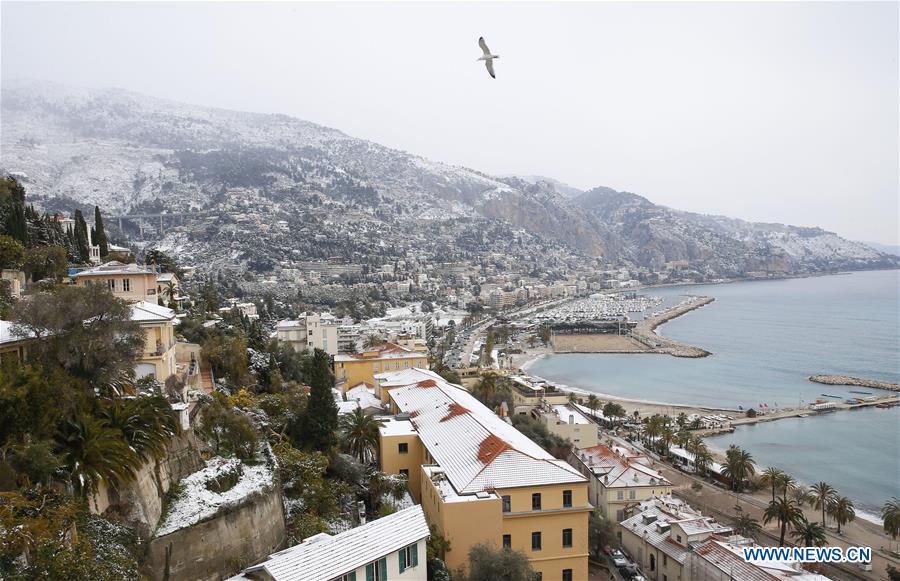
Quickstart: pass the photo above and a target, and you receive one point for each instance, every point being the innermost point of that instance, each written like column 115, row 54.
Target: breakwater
column 645, row 332
column 849, row 380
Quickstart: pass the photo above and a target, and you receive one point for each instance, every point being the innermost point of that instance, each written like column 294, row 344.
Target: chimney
column 571, row 419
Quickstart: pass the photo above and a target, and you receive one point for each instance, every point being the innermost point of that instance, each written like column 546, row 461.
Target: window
column 351, row 576
column 678, row 538
column 403, row 448
column 631, row 494
column 620, row 495
column 567, row 575
column 126, row 284
column 536, row 541
column 377, row 571
column 409, row 557
column 567, row 499
column 507, row 541
column 404, row 472
column 567, row 538
column 375, row 367
column 507, row 504
column 112, row 284
column 536, row 501
column 665, row 560
column 538, row 576
column 652, row 562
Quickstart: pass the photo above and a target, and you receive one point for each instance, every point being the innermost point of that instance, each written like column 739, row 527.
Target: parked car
column 619, row 559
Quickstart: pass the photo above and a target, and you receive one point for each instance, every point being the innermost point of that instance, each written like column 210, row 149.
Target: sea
column 767, row 338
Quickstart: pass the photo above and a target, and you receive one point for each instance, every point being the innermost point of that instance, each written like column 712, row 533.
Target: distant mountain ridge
column 128, row 152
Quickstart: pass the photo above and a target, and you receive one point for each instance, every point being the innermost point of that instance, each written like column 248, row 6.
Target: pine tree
column 82, row 245
column 100, row 239
column 316, row 428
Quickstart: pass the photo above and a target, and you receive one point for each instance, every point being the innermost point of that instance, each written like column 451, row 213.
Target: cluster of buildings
column 144, row 287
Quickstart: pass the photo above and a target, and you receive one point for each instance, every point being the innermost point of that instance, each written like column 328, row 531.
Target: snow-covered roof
column 565, row 411
column 166, row 277
column 615, row 471
column 477, row 449
column 324, row 557
column 115, row 267
column 145, row 312
column 729, row 559
column 653, row 524
column 365, row 395
column 6, row 333
column 383, row 351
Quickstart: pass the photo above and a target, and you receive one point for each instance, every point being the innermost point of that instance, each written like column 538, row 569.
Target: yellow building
column 480, row 480
column 619, row 480
column 158, row 357
column 567, row 421
column 131, row 282
column 351, row 370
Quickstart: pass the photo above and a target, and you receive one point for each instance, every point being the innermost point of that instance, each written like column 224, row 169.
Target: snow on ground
column 197, row 502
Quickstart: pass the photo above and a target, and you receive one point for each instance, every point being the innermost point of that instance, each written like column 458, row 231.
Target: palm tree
column 613, row 410
column 810, row 534
column 681, row 421
column 747, row 526
column 823, row 494
column 770, row 476
column 682, row 438
column 93, row 451
column 361, row 434
column 148, row 423
column 890, row 512
column 786, row 483
column 842, row 511
column 802, row 495
column 786, row 512
column 666, row 437
column 739, row 466
column 592, row 403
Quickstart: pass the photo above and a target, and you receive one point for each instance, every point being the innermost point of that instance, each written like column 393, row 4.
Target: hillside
column 131, row 153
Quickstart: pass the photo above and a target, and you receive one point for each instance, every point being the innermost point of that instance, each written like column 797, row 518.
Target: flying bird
column 487, row 57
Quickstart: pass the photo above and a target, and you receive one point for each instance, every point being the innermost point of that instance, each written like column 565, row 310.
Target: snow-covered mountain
column 129, row 153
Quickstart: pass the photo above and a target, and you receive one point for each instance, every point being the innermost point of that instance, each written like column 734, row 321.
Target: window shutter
column 402, row 553
column 370, row 572
column 415, row 555
column 382, row 564
column 352, row 576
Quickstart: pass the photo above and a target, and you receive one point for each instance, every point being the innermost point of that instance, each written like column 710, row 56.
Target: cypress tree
column 319, row 423
column 81, row 238
column 101, row 239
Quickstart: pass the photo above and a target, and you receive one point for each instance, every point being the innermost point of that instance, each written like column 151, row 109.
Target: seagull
column 487, row 57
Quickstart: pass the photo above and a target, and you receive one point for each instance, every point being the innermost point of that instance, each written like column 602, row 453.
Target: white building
column 309, row 331
column 390, row 548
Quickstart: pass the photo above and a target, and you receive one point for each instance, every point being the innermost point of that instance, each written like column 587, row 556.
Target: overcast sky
column 766, row 111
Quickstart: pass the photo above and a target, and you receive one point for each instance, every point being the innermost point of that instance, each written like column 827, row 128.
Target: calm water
column 767, row 337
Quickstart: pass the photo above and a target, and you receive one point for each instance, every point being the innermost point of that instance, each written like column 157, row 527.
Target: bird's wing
column 483, row 46
column 490, row 67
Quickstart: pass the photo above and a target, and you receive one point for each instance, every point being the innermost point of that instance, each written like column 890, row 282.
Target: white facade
column 308, row 331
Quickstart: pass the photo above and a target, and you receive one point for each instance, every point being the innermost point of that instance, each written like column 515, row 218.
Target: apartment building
column 351, row 370
column 617, row 480
column 479, row 480
column 158, row 357
column 131, row 282
column 309, row 331
column 569, row 422
column 660, row 536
